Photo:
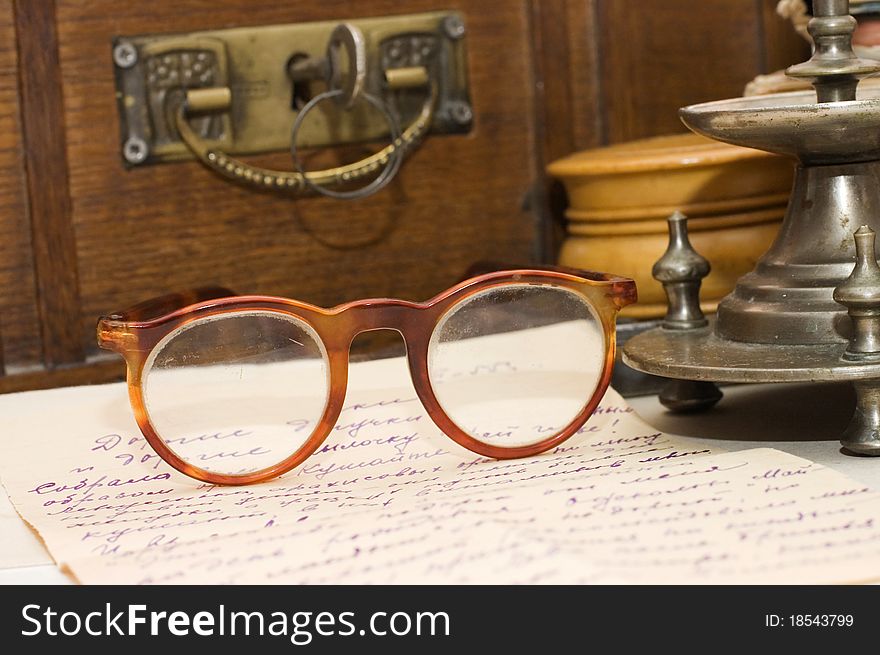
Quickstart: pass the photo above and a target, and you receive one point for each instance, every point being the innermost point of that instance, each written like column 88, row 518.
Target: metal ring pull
column 391, row 161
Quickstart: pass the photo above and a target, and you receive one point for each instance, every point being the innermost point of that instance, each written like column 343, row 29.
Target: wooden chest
column 82, row 235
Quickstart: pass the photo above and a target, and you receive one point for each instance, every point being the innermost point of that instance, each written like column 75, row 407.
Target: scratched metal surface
column 701, row 355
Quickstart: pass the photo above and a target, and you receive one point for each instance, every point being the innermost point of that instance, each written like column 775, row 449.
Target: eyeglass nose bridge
column 410, row 319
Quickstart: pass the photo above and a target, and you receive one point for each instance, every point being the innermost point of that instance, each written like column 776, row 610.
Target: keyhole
column 301, row 91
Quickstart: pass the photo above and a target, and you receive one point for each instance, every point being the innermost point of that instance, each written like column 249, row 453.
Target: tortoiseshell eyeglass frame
column 135, row 332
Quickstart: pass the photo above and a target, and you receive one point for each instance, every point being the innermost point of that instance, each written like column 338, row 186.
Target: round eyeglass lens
column 237, row 393
column 516, row 364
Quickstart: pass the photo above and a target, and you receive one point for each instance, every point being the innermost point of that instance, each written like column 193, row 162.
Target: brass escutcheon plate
column 253, row 63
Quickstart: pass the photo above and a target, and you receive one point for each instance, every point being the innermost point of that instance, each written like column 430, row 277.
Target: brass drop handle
column 292, row 181
column 382, row 166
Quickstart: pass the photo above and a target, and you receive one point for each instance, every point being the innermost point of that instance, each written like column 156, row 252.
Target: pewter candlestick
column 782, row 322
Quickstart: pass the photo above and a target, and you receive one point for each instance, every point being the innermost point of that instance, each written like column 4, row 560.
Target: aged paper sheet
column 18, row 542
column 390, row 499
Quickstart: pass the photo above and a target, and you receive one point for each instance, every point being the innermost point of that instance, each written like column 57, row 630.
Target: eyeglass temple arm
column 156, row 307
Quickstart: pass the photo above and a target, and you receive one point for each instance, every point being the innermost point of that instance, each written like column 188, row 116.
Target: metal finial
column 834, row 69
column 681, row 270
column 860, row 294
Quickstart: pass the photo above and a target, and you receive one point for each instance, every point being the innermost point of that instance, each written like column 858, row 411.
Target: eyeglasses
column 241, row 389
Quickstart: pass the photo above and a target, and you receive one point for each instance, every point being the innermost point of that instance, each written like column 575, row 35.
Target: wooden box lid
column 652, row 177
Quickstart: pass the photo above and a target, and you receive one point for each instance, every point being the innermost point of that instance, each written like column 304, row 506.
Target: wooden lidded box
column 620, row 196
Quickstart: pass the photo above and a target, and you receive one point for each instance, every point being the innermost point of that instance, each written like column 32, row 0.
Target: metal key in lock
column 349, row 79
column 348, row 39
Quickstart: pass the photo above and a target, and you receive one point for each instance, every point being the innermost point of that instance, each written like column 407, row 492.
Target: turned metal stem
column 689, row 396
column 834, row 69
column 860, row 294
column 681, row 270
column 862, row 436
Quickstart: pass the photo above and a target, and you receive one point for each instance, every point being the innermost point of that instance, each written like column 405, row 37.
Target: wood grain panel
column 54, row 254
column 566, row 60
column 781, row 45
column 665, row 54
column 569, row 115
column 19, row 325
column 160, row 228
column 587, row 102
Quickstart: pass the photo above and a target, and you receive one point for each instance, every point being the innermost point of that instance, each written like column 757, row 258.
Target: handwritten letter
column 390, row 499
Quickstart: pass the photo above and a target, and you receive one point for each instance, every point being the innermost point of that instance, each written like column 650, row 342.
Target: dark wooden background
column 81, row 236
